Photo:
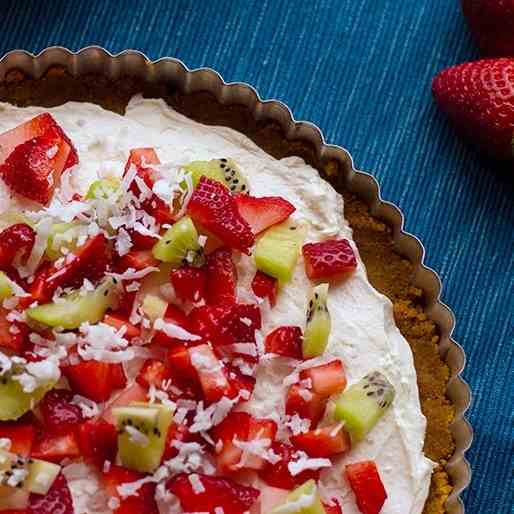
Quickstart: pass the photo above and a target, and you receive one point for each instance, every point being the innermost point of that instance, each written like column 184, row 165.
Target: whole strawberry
column 479, row 98
column 492, row 25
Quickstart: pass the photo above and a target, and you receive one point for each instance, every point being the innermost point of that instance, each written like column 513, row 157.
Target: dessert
column 223, row 343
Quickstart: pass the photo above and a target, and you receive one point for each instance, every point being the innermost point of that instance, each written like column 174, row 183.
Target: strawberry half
column 262, row 213
column 56, row 501
column 285, row 341
column 326, row 379
column 221, row 279
column 213, row 207
column 265, row 286
column 16, row 241
column 323, row 442
column 189, row 283
column 98, row 441
column 328, row 258
column 59, row 414
column 367, row 486
column 233, row 498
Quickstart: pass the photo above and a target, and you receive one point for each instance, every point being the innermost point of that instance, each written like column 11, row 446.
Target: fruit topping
column 285, row 341
column 225, row 171
column 98, row 441
column 303, row 500
column 189, row 283
column 55, row 447
column 103, row 188
column 308, row 405
column 57, row 500
column 16, row 243
column 367, row 486
column 328, row 258
column 326, row 379
column 318, row 323
column 91, row 378
column 221, row 278
column 20, row 433
column 323, row 442
column 264, row 286
column 58, row 412
column 13, row 334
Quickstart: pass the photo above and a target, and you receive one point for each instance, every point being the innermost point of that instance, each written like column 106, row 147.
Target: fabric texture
column 362, row 72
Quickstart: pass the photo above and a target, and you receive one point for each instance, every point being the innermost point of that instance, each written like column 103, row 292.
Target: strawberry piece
column 323, row 442
column 306, row 403
column 178, row 433
column 56, row 501
column 246, row 319
column 176, row 316
column 179, row 360
column 328, row 258
column 189, row 283
column 232, row 497
column 278, row 474
column 16, row 241
column 118, row 321
column 265, row 286
column 91, row 379
column 153, row 373
column 59, row 414
column 213, row 323
column 367, row 486
column 214, row 207
column 135, row 393
column 125, row 301
column 13, row 335
column 221, row 278
column 285, row 341
column 137, row 260
column 21, row 433
column 326, row 379
column 142, row 503
column 262, row 213
column 240, row 381
column 98, row 441
column 479, row 98
column 142, row 241
column 55, row 447
column 118, row 377
column 334, row 508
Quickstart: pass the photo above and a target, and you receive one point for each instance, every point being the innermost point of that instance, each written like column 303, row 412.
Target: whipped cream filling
column 364, row 335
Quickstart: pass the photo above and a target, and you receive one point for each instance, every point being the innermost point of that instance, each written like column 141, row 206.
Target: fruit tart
column 187, row 326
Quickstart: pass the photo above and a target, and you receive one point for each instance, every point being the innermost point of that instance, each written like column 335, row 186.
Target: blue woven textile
column 361, row 70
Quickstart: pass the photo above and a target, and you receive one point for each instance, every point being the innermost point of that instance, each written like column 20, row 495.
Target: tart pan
column 168, row 76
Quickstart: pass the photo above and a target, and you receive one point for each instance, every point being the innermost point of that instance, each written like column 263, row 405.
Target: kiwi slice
column 5, row 287
column 74, row 309
column 142, row 430
column 305, row 499
column 103, row 189
column 318, row 324
column 362, row 405
column 62, row 235
column 179, row 245
column 32, row 475
column 277, row 250
column 223, row 170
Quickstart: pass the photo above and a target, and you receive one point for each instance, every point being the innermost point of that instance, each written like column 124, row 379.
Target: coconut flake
column 304, row 462
column 174, row 331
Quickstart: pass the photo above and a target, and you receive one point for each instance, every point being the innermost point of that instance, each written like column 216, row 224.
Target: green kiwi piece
column 223, row 170
column 5, row 287
column 305, row 499
column 103, row 189
column 151, row 422
column 62, row 235
column 318, row 323
column 362, row 405
column 276, row 252
column 74, row 309
column 179, row 245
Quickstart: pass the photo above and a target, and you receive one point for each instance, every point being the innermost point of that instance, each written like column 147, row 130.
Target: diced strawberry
column 240, row 381
column 323, row 442
column 91, row 379
column 326, row 379
column 178, row 433
column 142, row 241
column 224, row 493
column 334, row 508
column 153, row 373
column 16, row 241
column 214, row 207
column 176, row 316
column 278, row 474
column 213, row 323
column 141, row 503
column 118, row 377
column 119, row 321
column 246, row 320
column 328, row 258
column 265, row 286
column 260, row 429
column 33, row 169
column 367, row 486
column 135, row 393
column 98, row 441
column 57, row 500
column 21, row 434
column 88, row 261
column 142, row 157
column 306, row 403
column 13, row 335
column 137, row 260
column 221, row 278
column 55, row 447
column 189, row 283
column 59, row 414
column 125, row 301
column 262, row 213
column 179, row 360
column 285, row 341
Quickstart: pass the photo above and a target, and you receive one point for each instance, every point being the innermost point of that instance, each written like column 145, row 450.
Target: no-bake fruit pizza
column 186, row 325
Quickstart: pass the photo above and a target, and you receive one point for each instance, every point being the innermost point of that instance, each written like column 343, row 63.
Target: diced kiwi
column 223, row 170
column 318, row 323
column 32, row 475
column 305, row 499
column 62, row 235
column 152, row 422
column 277, row 250
column 74, row 309
column 103, row 188
column 179, row 245
column 154, row 307
column 362, row 405
column 5, row 287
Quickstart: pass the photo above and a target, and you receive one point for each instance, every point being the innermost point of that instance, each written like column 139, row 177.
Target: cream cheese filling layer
column 364, row 334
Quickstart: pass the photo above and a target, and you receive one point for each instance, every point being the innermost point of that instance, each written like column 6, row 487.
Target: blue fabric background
column 361, row 70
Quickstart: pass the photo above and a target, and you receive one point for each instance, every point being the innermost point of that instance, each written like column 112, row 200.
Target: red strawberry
column 189, row 283
column 55, row 447
column 180, row 433
column 141, row 157
column 134, row 393
column 137, row 260
column 118, row 377
column 246, row 319
column 98, row 441
column 492, row 25
column 214, row 207
column 91, row 379
column 213, row 323
column 265, row 286
column 335, row 508
column 285, row 341
column 119, row 321
column 21, row 433
column 367, row 486
column 221, row 278
column 59, row 414
column 262, row 213
column 142, row 503
column 306, row 403
column 233, row 498
column 240, row 381
column 326, row 379
column 153, row 373
column 13, row 335
column 176, row 316
column 142, row 241
column 323, row 442
column 479, row 98
column 16, row 241
column 328, row 258
column 278, row 474
column 125, row 301
column 56, row 501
